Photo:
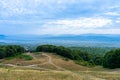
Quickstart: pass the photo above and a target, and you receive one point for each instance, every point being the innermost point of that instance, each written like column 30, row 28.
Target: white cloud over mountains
column 77, row 26
column 93, row 22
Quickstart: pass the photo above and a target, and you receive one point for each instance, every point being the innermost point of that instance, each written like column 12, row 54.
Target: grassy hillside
column 48, row 66
column 26, row 74
column 44, row 61
column 18, row 74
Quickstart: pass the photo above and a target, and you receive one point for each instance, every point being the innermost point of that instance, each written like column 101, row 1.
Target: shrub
column 84, row 63
column 2, row 53
column 10, row 50
column 112, row 59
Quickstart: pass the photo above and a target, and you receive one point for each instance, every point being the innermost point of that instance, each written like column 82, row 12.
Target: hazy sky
column 59, row 17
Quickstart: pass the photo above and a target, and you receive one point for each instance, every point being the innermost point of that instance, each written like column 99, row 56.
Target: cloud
column 22, row 22
column 59, row 16
column 92, row 22
column 81, row 25
column 41, row 8
column 112, row 13
column 52, row 8
column 76, row 26
column 62, row 31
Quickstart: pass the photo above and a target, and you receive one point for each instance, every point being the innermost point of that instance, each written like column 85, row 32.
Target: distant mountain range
column 85, row 39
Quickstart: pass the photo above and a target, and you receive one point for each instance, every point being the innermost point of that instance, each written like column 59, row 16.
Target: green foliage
column 10, row 50
column 10, row 58
column 93, row 50
column 46, row 48
column 81, row 55
column 65, row 52
column 20, row 56
column 97, row 59
column 112, row 59
column 36, row 53
column 84, row 63
column 2, row 53
column 60, row 50
column 91, row 54
column 25, row 57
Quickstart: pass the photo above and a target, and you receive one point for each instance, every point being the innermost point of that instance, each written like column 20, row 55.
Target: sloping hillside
column 48, row 66
column 45, row 61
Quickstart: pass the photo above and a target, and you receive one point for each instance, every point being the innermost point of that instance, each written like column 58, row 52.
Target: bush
column 65, row 52
column 97, row 59
column 2, row 53
column 46, row 48
column 10, row 50
column 84, row 63
column 112, row 59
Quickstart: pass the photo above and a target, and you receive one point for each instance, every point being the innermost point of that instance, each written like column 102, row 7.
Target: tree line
column 10, row 50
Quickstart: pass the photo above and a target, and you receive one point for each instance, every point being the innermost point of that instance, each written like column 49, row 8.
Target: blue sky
column 59, row 17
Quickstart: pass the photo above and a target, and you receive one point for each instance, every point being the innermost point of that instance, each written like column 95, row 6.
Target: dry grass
column 7, row 74
column 106, row 75
column 68, row 65
column 22, row 74
column 48, row 66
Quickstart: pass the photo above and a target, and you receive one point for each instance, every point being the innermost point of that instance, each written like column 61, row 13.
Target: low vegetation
column 112, row 59
column 25, row 57
column 10, row 50
column 94, row 50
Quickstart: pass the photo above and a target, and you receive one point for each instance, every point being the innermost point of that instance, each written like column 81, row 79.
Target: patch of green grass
column 36, row 53
column 20, row 56
column 10, row 58
column 0, row 61
column 25, row 57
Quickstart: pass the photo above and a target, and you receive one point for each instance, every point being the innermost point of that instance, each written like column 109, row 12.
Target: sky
column 59, row 17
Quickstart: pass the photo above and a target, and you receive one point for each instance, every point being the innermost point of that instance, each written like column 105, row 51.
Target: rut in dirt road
column 51, row 62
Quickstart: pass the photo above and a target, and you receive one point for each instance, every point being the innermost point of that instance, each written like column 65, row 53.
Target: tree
column 46, row 48
column 10, row 50
column 112, row 59
column 2, row 53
